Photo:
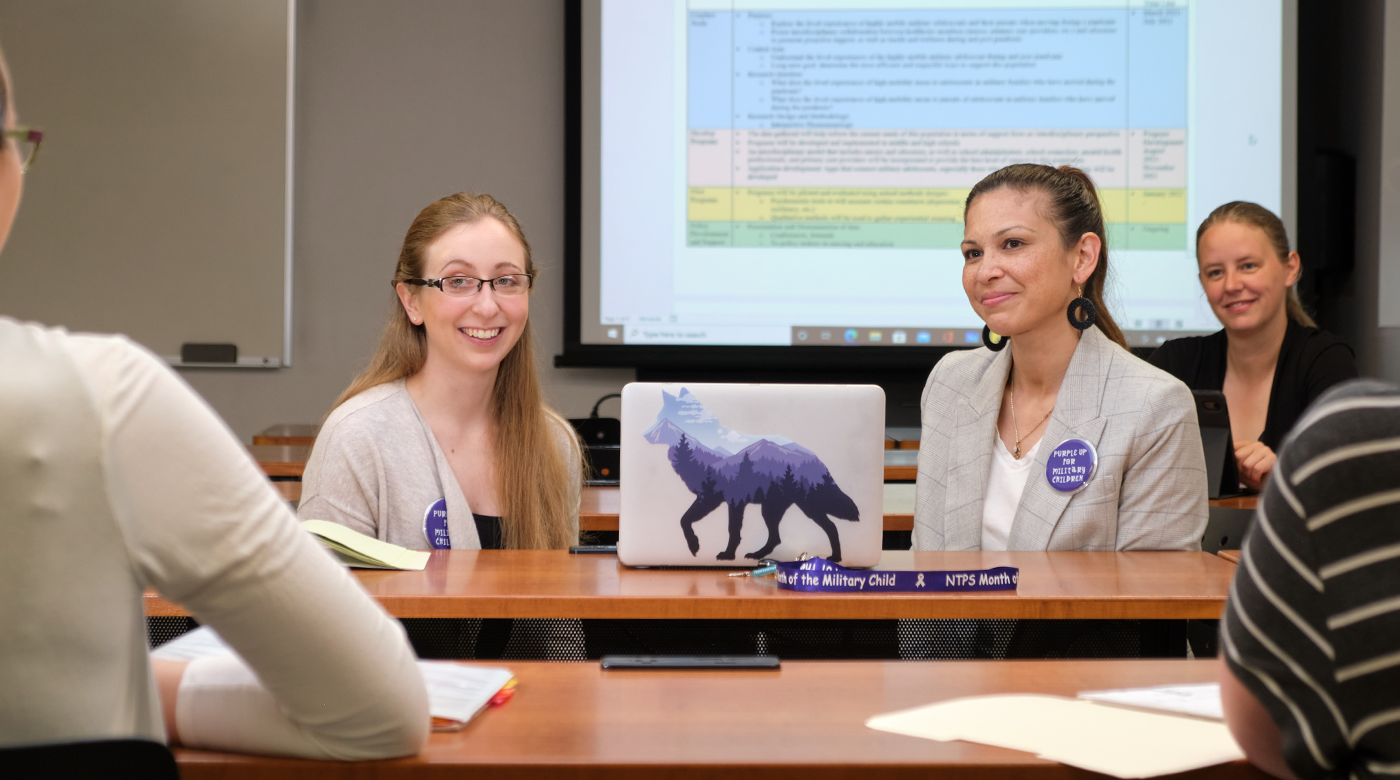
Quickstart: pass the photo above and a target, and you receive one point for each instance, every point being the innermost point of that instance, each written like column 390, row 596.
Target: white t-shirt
column 116, row 477
column 1006, row 481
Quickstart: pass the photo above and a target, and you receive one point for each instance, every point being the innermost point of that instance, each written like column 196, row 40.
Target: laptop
column 1213, row 415
column 729, row 474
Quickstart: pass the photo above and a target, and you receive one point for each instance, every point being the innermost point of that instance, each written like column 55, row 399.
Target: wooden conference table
column 802, row 722
column 555, row 584
column 287, row 435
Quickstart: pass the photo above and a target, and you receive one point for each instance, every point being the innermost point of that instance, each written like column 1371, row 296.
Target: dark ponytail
column 1074, row 209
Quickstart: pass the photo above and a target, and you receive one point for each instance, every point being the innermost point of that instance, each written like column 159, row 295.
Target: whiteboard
column 160, row 201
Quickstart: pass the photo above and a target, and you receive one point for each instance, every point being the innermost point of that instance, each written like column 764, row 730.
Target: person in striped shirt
column 1311, row 633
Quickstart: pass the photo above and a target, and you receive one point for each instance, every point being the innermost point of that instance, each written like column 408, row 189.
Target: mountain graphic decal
column 720, row 465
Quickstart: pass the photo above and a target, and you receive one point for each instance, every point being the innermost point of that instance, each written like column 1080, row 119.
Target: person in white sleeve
column 114, row 478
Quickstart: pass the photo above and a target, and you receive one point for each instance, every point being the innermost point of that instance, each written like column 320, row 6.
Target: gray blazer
column 1149, row 492
column 377, row 468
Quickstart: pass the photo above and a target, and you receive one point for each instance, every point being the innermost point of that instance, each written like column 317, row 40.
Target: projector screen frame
column 792, row 358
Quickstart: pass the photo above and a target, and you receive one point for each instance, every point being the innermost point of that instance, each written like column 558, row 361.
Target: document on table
column 1201, row 700
column 1112, row 740
column 455, row 692
column 359, row 551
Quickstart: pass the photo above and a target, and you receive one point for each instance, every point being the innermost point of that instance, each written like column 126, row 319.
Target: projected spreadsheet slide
column 867, row 128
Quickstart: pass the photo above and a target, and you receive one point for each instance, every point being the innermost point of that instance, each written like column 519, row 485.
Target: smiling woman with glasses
column 445, row 440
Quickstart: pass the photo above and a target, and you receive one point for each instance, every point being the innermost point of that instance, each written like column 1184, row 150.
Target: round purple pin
column 1071, row 465
column 435, row 525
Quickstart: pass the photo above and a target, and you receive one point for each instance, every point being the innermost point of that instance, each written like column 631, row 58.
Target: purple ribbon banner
column 818, row 575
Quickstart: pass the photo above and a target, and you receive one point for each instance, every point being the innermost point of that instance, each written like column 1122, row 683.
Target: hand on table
column 1255, row 461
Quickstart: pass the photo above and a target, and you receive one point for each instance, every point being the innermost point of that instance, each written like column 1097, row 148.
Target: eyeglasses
column 27, row 140
column 463, row 286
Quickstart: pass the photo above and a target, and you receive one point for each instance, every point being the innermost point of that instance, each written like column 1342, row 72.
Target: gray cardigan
column 377, row 468
column 1149, row 492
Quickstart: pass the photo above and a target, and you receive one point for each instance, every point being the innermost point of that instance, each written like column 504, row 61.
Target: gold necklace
column 1011, row 391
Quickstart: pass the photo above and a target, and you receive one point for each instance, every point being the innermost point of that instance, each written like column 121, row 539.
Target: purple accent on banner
column 818, row 575
column 1071, row 465
column 435, row 526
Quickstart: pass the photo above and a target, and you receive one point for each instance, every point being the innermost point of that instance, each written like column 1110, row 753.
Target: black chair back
column 1225, row 529
column 118, row 759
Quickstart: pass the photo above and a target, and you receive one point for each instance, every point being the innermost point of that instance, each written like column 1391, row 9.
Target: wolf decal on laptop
column 723, row 466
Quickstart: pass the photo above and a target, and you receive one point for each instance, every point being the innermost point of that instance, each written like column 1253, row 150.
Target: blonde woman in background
column 1270, row 359
column 445, row 442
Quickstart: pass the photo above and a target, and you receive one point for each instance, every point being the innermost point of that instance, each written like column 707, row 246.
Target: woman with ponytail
column 1270, row 359
column 1055, row 370
column 445, row 440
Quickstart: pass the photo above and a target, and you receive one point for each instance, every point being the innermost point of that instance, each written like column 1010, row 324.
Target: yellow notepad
column 358, row 551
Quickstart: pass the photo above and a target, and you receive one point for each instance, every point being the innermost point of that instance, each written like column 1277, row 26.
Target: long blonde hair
column 536, row 482
column 1074, row 210
column 1243, row 212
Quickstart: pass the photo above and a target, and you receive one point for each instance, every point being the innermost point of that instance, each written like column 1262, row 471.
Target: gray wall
column 135, row 141
column 1341, row 94
column 399, row 104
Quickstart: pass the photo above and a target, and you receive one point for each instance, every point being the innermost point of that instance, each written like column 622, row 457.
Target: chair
column 118, row 759
column 1225, row 528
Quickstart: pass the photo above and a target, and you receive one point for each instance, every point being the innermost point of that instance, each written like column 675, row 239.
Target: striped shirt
column 1312, row 627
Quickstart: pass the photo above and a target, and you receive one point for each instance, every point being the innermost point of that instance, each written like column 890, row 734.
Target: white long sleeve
column 167, row 498
column 206, row 530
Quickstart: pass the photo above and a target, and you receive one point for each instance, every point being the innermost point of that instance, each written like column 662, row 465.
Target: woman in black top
column 1270, row 360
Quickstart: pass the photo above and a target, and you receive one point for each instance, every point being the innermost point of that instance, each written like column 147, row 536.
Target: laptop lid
column 727, row 474
column 1213, row 415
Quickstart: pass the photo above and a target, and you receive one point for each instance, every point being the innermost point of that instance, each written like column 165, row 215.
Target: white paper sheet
column 455, row 691
column 458, row 692
column 1201, row 700
column 1112, row 740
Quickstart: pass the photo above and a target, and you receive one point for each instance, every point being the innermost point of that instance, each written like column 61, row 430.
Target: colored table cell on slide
column 848, row 204
column 825, row 204
column 896, row 235
column 845, row 235
column 1148, row 236
column 926, row 158
column 710, row 204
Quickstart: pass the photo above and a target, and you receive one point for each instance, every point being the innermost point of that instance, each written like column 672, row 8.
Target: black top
column 1312, row 627
column 1309, row 362
column 488, row 529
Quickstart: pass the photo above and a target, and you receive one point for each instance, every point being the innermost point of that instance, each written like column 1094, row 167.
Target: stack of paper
column 456, row 693
column 358, row 551
column 1115, row 741
column 1201, row 700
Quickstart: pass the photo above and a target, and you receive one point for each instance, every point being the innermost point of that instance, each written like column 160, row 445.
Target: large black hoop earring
column 992, row 341
column 1091, row 314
